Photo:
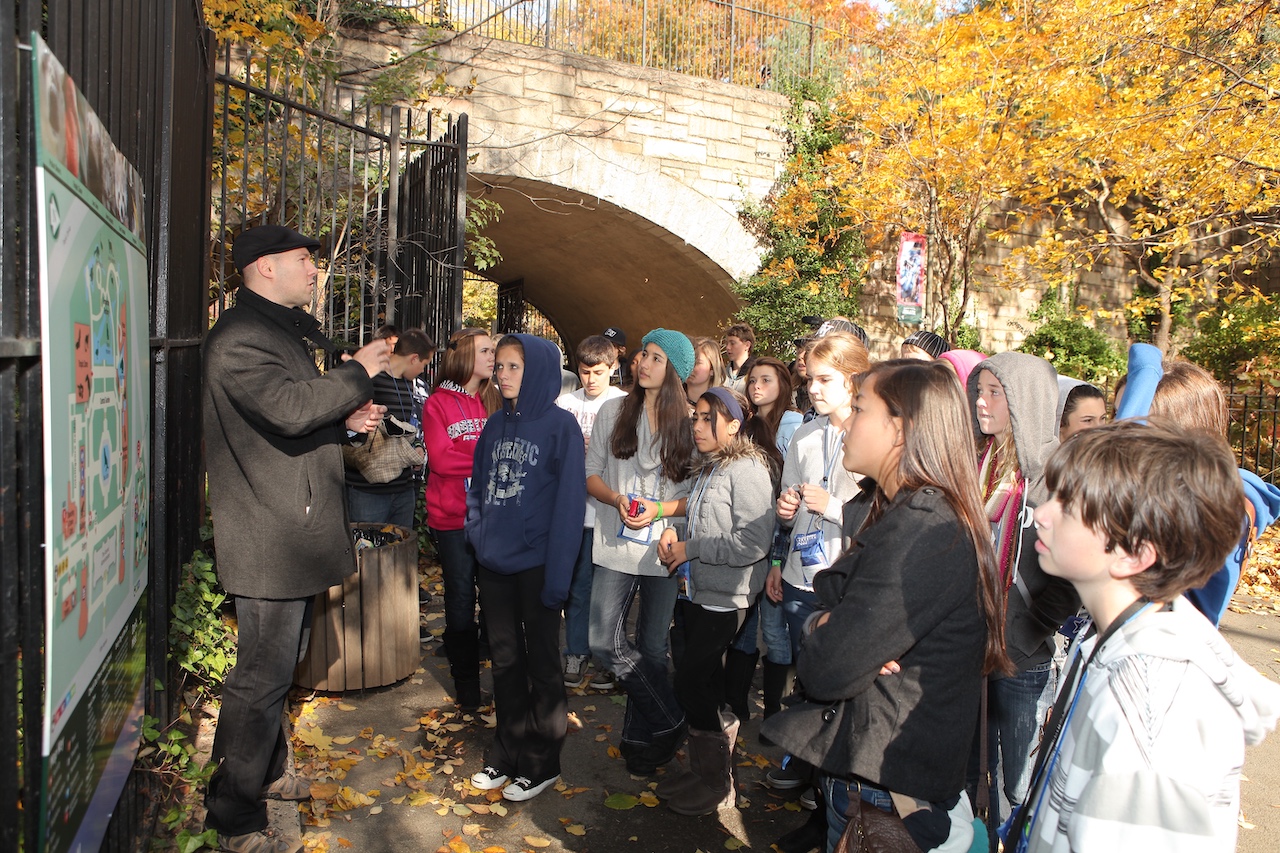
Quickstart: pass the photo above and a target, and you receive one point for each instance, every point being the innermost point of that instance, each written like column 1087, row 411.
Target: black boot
column 777, row 683
column 739, row 669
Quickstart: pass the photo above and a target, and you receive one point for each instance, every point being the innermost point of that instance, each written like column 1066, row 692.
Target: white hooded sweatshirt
column 1154, row 745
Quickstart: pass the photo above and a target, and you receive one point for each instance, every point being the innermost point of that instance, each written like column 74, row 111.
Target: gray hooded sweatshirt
column 1037, row 604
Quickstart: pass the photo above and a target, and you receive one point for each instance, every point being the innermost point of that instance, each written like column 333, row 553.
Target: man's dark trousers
column 273, row 638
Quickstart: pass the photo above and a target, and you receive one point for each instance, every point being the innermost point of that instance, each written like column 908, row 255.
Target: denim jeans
column 382, row 507
column 773, row 626
column 797, row 605
column 641, row 666
column 250, row 744
column 577, row 610
column 1013, row 731
column 458, row 568
column 528, row 688
column 836, row 793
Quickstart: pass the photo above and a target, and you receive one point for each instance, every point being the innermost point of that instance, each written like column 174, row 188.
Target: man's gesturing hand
column 366, row 418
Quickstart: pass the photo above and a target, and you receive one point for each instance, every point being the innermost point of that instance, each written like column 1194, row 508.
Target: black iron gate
column 144, row 67
column 385, row 199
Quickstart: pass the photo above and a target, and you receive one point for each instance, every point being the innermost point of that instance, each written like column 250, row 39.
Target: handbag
column 872, row 830
column 383, row 457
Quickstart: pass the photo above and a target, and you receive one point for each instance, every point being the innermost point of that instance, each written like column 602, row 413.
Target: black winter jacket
column 272, row 431
column 905, row 590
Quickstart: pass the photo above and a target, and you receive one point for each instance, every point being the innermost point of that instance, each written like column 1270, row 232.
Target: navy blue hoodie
column 528, row 493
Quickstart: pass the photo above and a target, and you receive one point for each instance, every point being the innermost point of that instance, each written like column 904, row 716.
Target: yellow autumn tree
column 1155, row 139
column 929, row 145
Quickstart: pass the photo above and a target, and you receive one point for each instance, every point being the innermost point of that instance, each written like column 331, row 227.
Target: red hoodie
column 452, row 421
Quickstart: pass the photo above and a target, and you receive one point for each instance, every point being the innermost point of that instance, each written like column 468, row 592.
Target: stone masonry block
column 674, row 149
column 656, row 129
column 605, row 82
column 633, row 107
column 551, row 81
column 705, row 109
column 708, row 128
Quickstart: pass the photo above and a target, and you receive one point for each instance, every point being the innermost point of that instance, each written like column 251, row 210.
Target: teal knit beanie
column 678, row 349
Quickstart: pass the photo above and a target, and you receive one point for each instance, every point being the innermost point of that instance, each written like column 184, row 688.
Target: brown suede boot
column 711, row 762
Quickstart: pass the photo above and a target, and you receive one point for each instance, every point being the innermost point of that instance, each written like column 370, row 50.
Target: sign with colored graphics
column 97, row 406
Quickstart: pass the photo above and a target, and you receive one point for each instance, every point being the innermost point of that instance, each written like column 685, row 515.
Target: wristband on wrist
column 659, row 510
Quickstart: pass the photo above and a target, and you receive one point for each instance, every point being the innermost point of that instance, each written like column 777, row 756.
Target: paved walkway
column 404, row 755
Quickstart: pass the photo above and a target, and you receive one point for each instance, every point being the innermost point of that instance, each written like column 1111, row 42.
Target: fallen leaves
column 621, row 801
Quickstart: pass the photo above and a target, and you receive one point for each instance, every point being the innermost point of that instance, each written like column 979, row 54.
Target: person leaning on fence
column 273, row 426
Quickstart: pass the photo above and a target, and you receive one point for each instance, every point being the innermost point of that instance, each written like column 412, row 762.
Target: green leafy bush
column 1071, row 345
column 1238, row 336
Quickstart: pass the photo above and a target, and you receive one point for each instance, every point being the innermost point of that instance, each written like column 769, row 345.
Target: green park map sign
column 97, row 449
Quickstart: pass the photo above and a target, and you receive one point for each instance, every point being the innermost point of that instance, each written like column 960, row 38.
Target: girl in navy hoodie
column 524, row 519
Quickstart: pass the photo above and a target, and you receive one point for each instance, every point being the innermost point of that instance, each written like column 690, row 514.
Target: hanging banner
column 909, row 293
column 97, row 431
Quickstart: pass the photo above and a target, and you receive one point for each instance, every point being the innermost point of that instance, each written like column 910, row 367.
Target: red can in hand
column 635, row 508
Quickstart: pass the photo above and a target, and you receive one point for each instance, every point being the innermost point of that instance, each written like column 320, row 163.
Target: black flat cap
column 268, row 240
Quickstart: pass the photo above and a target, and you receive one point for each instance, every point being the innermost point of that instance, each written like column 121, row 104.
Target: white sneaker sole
column 516, row 794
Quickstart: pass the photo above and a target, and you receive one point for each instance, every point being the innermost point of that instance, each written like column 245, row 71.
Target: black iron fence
column 381, row 187
column 734, row 41
column 1253, row 417
column 144, row 67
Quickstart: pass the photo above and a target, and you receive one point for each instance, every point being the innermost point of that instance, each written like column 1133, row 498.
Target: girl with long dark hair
column 908, row 619
column 638, row 468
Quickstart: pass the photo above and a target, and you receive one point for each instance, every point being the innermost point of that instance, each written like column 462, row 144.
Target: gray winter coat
column 272, row 432
column 731, row 513
column 905, row 591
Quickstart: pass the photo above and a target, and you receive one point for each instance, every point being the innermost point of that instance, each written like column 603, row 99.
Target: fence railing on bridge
column 726, row 40
column 1252, row 410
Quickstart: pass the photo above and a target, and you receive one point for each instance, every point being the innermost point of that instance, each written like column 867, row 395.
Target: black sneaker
column 524, row 788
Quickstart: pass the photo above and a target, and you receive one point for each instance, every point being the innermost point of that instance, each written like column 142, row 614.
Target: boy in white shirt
column 596, row 357
column 1146, row 740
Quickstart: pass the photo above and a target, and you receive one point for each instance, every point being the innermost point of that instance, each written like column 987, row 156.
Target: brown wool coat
column 273, row 425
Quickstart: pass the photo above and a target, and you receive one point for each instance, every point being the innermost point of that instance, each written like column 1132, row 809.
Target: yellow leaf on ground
column 323, row 790
column 459, row 846
column 733, row 844
column 648, row 799
column 342, row 842
column 472, row 829
column 376, row 810
column 344, row 740
column 343, row 706
column 535, row 841
column 412, row 728
column 576, row 829
column 499, row 809
column 314, row 736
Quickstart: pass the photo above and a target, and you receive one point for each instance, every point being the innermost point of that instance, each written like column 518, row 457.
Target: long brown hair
column 785, row 391
column 674, row 435
column 460, row 363
column 938, row 450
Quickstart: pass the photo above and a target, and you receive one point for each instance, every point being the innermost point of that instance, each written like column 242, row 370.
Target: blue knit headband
column 724, row 395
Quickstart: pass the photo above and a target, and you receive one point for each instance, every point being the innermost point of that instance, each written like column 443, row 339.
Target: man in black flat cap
column 273, row 426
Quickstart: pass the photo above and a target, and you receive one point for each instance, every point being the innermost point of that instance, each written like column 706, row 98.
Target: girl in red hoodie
column 452, row 420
